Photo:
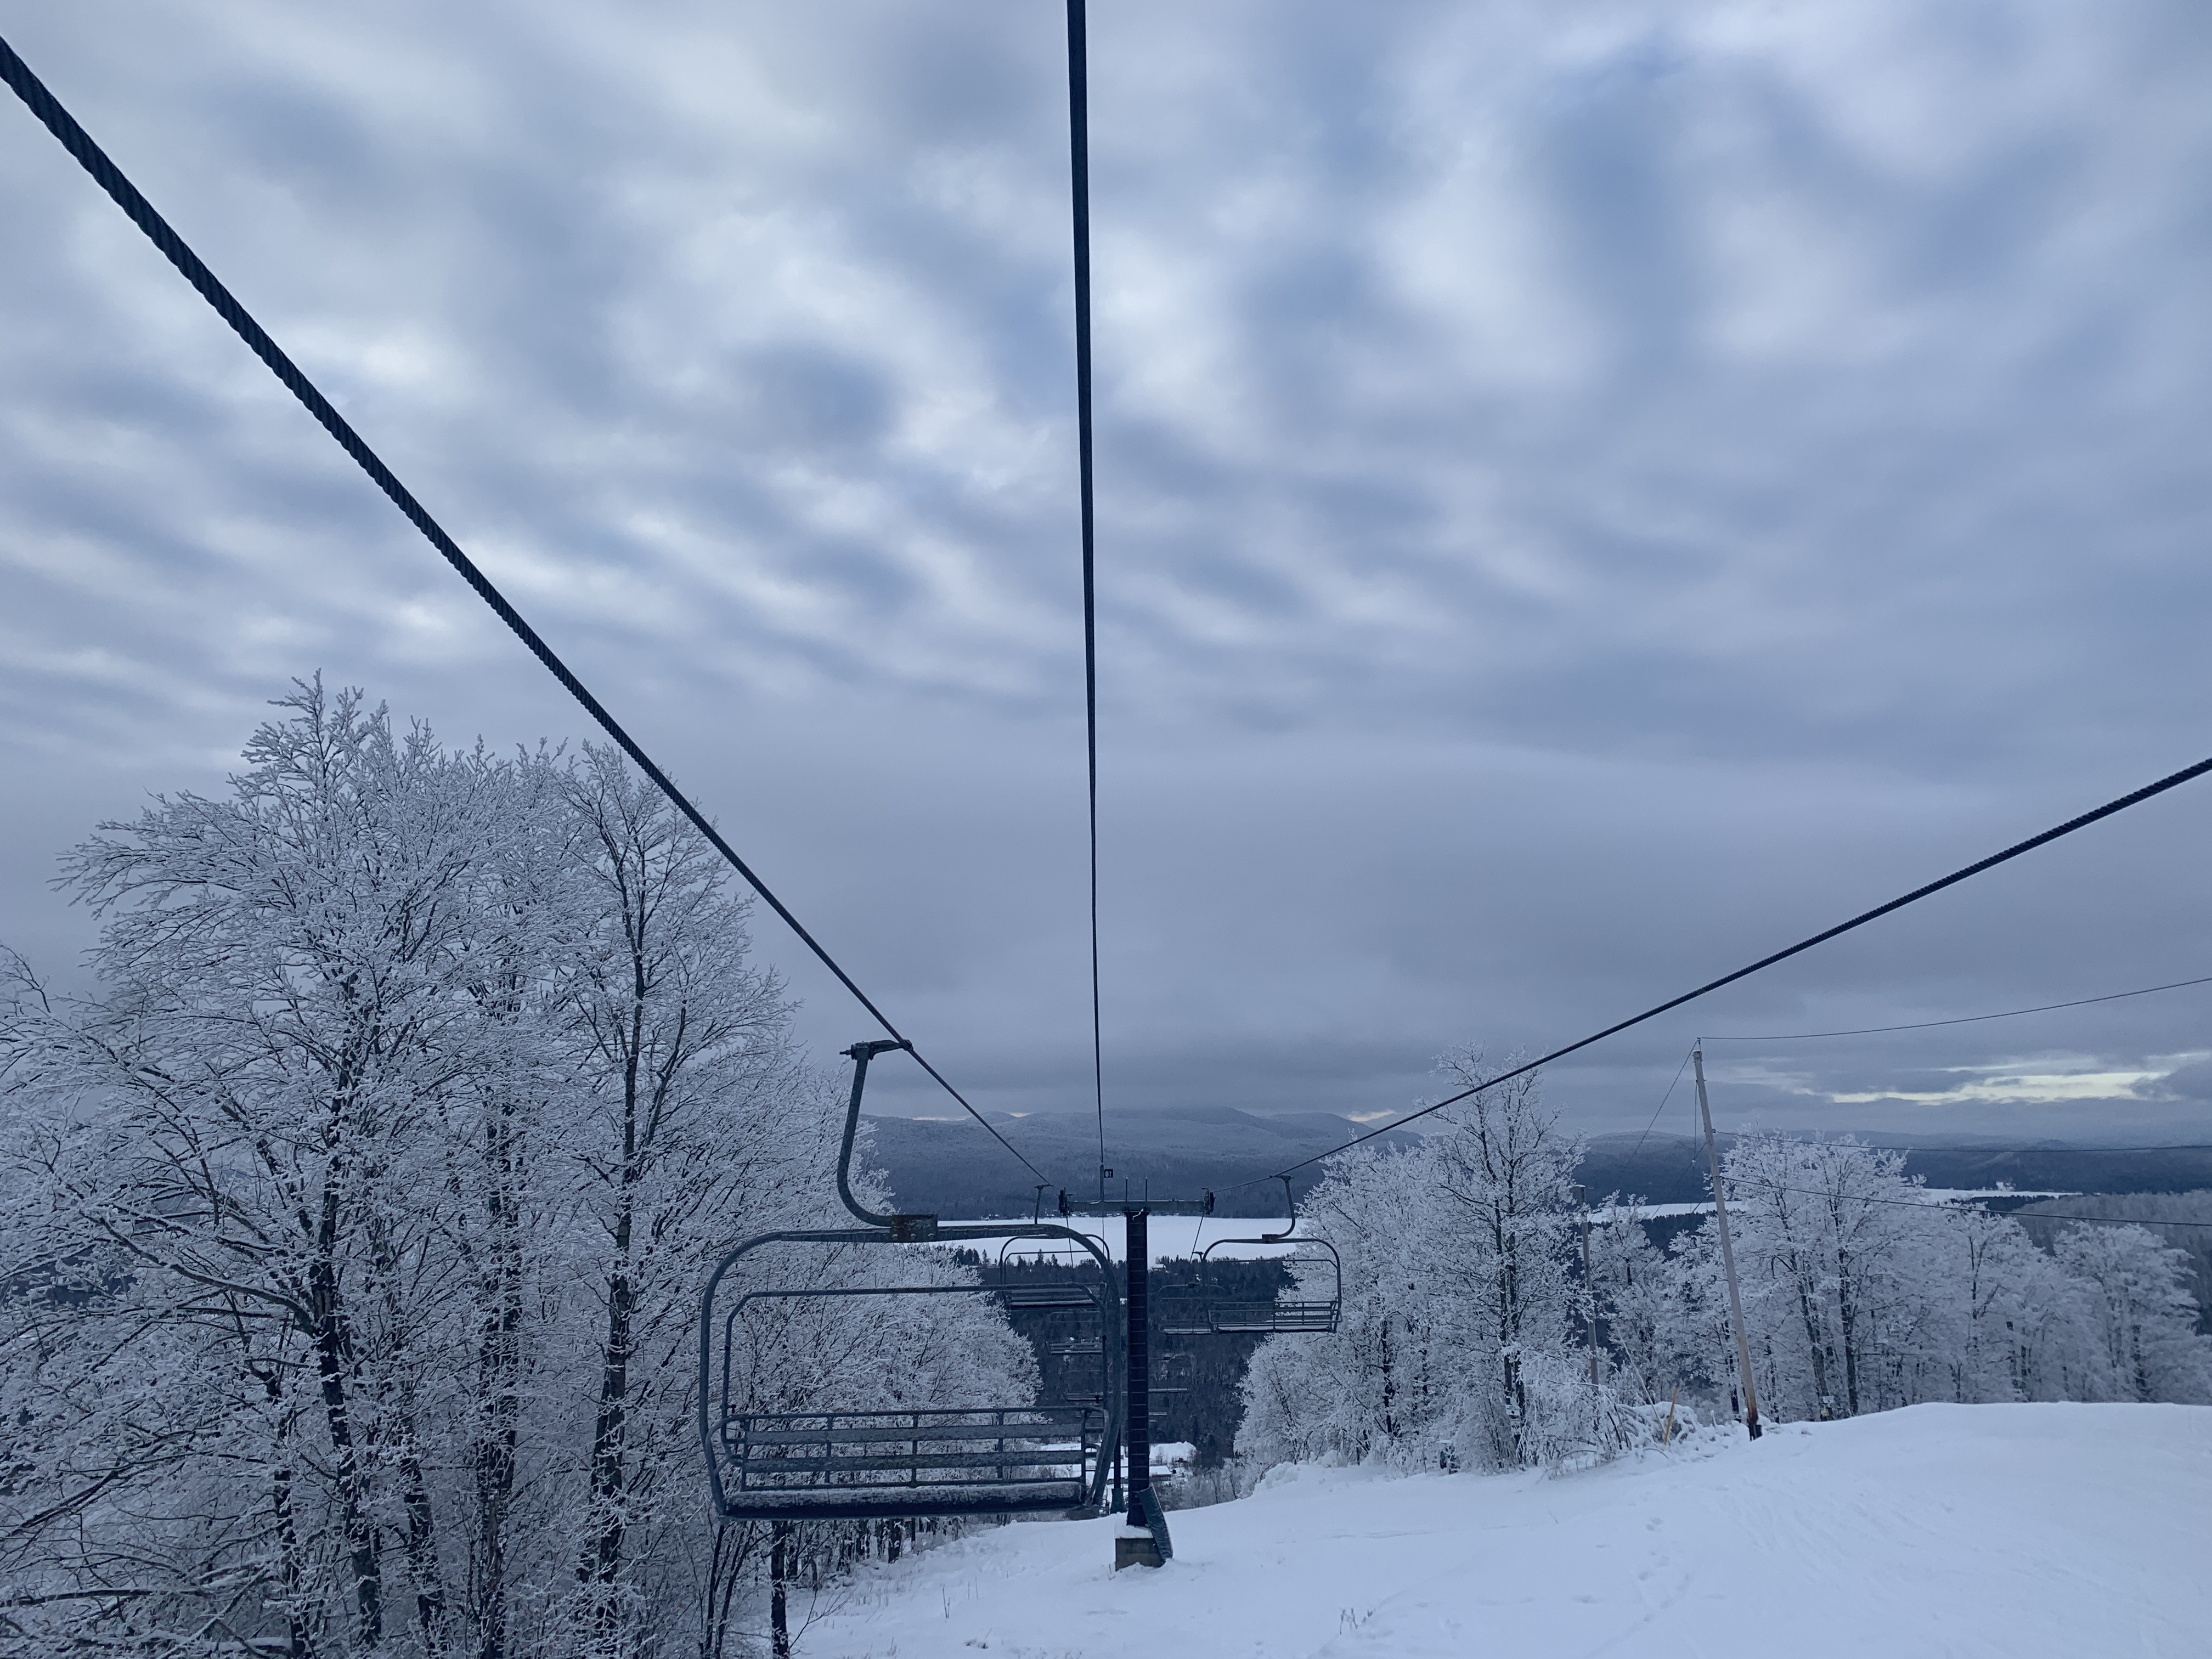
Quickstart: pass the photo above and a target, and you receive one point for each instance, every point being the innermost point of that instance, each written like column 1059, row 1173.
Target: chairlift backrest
column 1045, row 1253
column 1060, row 1296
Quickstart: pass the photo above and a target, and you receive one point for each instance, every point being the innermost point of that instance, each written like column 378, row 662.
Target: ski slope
column 2003, row 1530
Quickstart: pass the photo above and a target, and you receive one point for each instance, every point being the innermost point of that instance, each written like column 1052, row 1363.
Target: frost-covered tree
column 1860, row 1293
column 671, row 1034
column 2141, row 1312
column 1645, row 1307
column 352, row 1230
column 1830, row 1247
column 245, row 1142
column 1460, row 1339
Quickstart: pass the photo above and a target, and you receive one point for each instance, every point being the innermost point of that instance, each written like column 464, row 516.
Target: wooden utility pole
column 1590, row 1285
column 1727, row 1252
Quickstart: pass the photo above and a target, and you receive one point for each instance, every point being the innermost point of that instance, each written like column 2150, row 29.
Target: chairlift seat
column 1037, row 1298
column 1243, row 1318
column 868, row 1465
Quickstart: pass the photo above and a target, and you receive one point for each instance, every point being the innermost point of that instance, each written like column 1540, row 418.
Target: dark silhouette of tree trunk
column 499, row 1366
column 779, row 1610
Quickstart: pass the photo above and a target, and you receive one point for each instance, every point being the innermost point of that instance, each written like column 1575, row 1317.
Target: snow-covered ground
column 2019, row 1531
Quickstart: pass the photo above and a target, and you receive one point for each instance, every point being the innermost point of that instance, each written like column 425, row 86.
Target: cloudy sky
column 1589, row 493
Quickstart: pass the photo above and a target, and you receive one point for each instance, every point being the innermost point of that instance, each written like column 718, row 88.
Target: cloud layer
column 1589, row 493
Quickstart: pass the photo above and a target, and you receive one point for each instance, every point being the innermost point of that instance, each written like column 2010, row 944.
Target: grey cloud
column 1586, row 496
column 2192, row 1084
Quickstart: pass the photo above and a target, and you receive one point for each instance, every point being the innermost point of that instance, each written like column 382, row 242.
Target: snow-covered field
column 2017, row 1531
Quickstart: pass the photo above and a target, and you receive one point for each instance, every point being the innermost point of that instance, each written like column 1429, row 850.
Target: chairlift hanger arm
column 903, row 1227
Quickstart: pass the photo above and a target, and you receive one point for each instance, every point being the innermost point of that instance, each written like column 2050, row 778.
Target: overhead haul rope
column 1965, row 1019
column 2172, row 780
column 109, row 177
column 1078, row 162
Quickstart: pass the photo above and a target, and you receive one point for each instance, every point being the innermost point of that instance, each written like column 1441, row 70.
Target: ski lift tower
column 1143, row 1540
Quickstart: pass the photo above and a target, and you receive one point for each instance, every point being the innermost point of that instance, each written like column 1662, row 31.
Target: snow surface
column 2017, row 1531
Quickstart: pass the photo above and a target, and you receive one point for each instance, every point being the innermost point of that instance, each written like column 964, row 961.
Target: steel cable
column 1965, row 1019
column 2172, row 780
column 94, row 160
column 1078, row 163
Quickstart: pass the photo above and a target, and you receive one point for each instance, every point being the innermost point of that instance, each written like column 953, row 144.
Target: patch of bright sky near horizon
column 1589, row 493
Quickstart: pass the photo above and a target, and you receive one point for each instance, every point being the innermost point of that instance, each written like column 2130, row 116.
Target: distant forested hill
column 953, row 1168
column 1671, row 1169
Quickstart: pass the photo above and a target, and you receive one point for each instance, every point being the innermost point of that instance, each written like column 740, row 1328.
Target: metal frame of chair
column 1279, row 1316
column 990, row 1459
column 1299, row 1315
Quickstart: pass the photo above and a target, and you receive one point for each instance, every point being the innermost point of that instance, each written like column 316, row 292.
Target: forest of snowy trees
column 1465, row 1334
column 353, row 1225
column 354, row 1229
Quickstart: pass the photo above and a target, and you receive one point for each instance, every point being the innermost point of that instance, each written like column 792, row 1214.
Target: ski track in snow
column 2071, row 1531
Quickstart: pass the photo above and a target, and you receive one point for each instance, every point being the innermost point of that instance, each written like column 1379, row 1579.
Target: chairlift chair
column 996, row 1457
column 1053, row 1294
column 959, row 1460
column 1300, row 1312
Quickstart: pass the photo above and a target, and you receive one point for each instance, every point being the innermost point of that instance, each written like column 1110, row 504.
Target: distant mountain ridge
column 1671, row 1169
column 954, row 1169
